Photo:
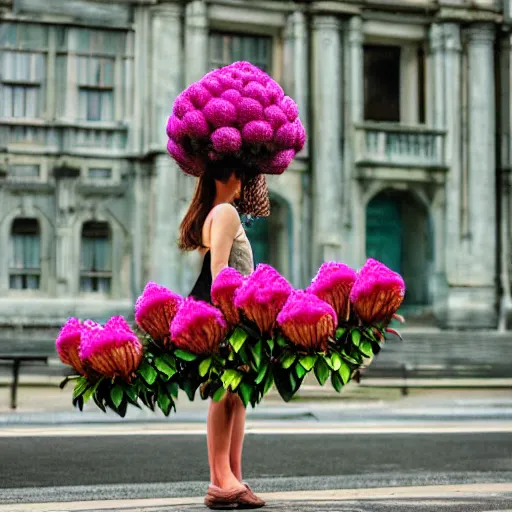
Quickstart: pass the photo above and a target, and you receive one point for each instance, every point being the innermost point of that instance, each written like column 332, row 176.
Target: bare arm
column 224, row 228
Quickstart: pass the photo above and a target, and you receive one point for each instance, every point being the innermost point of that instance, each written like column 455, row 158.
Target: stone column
column 326, row 135
column 66, row 271
column 479, row 277
column 166, row 84
column 296, row 79
column 505, row 167
column 354, row 249
column 452, row 92
column 196, row 41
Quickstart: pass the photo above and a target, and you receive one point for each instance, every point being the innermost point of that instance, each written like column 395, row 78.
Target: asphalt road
column 148, row 466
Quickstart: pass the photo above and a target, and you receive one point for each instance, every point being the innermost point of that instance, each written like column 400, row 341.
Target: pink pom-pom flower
column 198, row 327
column 307, row 321
column 262, row 296
column 333, row 284
column 68, row 344
column 240, row 111
column 223, row 293
column 155, row 310
column 113, row 350
column 377, row 293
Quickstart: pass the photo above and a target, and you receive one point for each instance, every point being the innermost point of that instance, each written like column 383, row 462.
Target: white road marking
column 386, row 493
column 263, row 428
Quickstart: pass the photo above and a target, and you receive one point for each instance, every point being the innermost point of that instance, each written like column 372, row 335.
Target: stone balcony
column 397, row 151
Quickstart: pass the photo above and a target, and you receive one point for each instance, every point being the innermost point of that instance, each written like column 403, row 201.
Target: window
column 227, row 48
column 97, row 51
column 382, row 83
column 100, row 173
column 24, row 171
column 96, row 258
column 25, row 255
column 23, row 49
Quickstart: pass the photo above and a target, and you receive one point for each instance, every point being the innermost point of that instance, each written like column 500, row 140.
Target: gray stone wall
column 446, row 165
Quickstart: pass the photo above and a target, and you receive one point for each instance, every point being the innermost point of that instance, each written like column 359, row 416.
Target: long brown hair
column 191, row 228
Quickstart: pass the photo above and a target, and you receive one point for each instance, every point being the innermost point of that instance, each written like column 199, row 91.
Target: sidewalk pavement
column 452, row 498
column 50, row 405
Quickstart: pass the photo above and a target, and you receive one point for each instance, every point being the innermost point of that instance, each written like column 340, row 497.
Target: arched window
column 25, row 255
column 96, row 258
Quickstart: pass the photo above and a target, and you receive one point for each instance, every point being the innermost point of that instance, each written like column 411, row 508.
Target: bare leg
column 237, row 437
column 219, row 429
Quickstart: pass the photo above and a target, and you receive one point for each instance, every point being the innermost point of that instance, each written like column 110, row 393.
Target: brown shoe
column 256, row 498
column 220, row 499
column 239, row 498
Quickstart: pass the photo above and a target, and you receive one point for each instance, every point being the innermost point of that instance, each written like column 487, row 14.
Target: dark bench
column 448, row 359
column 16, row 360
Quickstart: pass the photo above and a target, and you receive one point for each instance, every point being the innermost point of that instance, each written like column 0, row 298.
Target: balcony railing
column 393, row 144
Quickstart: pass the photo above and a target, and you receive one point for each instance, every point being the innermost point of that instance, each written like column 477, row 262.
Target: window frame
column 96, row 274
column 25, row 272
column 39, row 84
column 237, row 33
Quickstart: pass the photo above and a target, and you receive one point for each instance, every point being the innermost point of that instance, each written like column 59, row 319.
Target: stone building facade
column 407, row 105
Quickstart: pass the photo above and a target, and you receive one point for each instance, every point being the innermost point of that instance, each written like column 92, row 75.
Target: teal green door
column 384, row 232
column 258, row 235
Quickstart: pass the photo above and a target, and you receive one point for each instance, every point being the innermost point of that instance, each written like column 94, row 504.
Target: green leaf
column 164, row 367
column 281, row 341
column 80, row 387
column 243, row 355
column 173, row 388
column 219, row 394
column 231, row 378
column 356, row 337
column 300, row 371
column 237, row 339
column 261, row 374
column 336, row 381
column 116, row 395
column 257, row 351
column 322, row 371
column 288, row 361
column 245, row 393
column 308, row 362
column 269, row 381
column 148, row 373
column 366, row 348
column 91, row 390
column 270, row 344
column 340, row 332
column 130, row 392
column 236, row 380
column 344, row 372
column 336, row 361
column 169, row 359
column 164, row 402
column 186, row 356
column 205, row 366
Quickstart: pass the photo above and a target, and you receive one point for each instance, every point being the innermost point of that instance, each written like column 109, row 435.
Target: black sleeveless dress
column 240, row 258
column 201, row 290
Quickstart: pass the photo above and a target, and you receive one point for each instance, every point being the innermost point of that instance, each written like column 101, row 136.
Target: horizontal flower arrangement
column 259, row 332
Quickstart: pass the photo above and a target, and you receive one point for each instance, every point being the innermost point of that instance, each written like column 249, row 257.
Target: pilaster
column 327, row 132
column 196, row 41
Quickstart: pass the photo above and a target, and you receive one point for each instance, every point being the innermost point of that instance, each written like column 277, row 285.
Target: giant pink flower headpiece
column 113, row 350
column 307, row 321
column 236, row 111
column 198, row 327
column 333, row 284
column 68, row 344
column 155, row 310
column 377, row 293
column 262, row 295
